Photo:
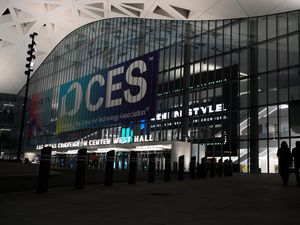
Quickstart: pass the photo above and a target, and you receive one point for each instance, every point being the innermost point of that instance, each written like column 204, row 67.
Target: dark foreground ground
column 241, row 199
column 20, row 177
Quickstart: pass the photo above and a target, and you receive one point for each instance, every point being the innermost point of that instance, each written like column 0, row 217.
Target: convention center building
column 227, row 89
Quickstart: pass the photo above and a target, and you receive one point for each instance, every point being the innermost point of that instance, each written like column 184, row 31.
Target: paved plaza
column 241, row 199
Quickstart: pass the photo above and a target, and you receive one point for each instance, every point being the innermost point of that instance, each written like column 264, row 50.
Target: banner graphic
column 119, row 94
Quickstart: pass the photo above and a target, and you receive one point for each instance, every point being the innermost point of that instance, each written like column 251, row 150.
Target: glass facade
column 229, row 87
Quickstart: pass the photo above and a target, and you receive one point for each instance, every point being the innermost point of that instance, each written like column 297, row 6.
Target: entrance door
column 121, row 161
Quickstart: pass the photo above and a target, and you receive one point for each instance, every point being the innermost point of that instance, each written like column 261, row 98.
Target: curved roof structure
column 54, row 19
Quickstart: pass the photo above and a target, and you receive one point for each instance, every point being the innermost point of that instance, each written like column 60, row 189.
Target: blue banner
column 116, row 95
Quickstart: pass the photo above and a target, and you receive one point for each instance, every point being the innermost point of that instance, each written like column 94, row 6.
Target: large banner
column 119, row 94
column 39, row 114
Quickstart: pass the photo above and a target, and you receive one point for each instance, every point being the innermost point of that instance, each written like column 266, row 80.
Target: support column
column 186, row 83
column 253, row 68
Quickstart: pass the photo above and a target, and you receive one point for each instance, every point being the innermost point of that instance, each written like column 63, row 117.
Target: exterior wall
column 8, row 138
column 230, row 87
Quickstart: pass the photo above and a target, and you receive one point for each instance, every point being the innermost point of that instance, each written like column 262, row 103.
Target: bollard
column 181, row 168
column 198, row 170
column 151, row 171
column 212, row 167
column 203, row 168
column 167, row 174
column 109, row 168
column 227, row 168
column 132, row 168
column 44, row 170
column 220, row 168
column 175, row 165
column 230, row 168
column 193, row 168
column 80, row 169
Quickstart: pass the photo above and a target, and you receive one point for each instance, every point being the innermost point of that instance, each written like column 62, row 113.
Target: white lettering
column 219, row 107
column 196, row 111
column 177, row 114
column 136, row 81
column 110, row 87
column 165, row 116
column 98, row 142
column 136, row 138
column 78, row 99
column 141, row 139
column 203, row 109
column 89, row 106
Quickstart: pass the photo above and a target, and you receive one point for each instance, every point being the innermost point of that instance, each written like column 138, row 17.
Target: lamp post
column 29, row 67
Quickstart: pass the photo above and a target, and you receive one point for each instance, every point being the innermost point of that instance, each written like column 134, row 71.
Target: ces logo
column 110, row 88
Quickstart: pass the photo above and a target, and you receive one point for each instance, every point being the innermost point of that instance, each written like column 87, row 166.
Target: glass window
column 244, row 33
column 244, row 156
column 294, row 80
column 273, row 124
column 204, row 96
column 235, row 36
column 244, row 124
column 283, row 120
column 212, row 42
column 273, row 160
column 282, row 24
column 262, row 89
column 244, row 63
column 262, row 58
column 293, row 50
column 271, row 26
column 272, row 89
column 253, row 30
column 227, row 38
column 262, row 28
column 272, row 56
column 218, row 92
column 244, row 93
column 204, row 45
column 282, row 52
column 219, row 60
column 293, row 21
column 226, row 61
column 262, row 122
column 283, row 86
column 179, row 55
column 235, row 58
column 263, row 154
column 219, row 44
column 210, row 93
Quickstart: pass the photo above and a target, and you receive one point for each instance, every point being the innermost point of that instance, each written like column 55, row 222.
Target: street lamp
column 29, row 67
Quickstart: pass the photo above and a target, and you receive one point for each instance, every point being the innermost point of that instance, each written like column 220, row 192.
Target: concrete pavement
column 241, row 199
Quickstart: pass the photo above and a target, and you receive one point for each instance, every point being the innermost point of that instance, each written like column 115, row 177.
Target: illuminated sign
column 122, row 93
column 192, row 112
column 99, row 142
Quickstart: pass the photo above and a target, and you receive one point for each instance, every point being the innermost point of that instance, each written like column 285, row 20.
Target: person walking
column 284, row 158
column 296, row 159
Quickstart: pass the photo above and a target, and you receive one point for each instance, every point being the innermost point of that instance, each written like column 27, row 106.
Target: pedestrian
column 296, row 159
column 284, row 158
